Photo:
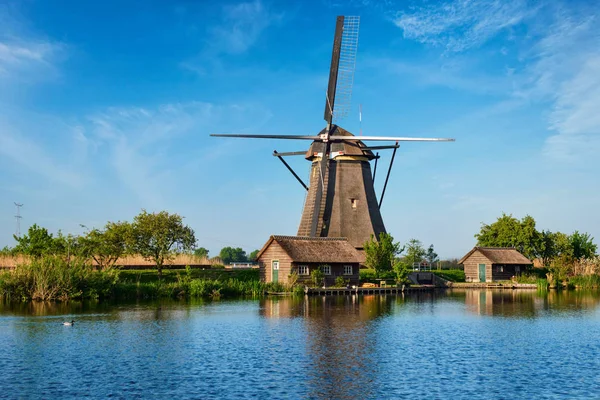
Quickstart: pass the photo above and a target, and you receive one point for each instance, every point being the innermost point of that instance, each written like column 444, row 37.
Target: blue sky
column 106, row 108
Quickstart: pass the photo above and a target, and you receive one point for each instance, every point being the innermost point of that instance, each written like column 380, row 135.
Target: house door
column 275, row 271
column 481, row 272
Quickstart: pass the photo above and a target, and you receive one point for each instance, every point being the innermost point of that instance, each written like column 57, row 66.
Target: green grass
column 452, row 275
column 171, row 275
column 585, row 281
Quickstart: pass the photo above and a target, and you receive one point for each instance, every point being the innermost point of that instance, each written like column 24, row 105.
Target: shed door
column 275, row 271
column 481, row 272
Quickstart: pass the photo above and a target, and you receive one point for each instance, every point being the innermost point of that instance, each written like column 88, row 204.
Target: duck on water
column 67, row 323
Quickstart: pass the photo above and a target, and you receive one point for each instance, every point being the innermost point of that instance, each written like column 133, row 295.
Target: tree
column 582, row 245
column 201, row 252
column 508, row 231
column 230, row 254
column 252, row 256
column 381, row 254
column 35, row 243
column 108, row 245
column 158, row 236
column 431, row 255
column 415, row 251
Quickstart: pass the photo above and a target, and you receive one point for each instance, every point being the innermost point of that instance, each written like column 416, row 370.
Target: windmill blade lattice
column 347, row 65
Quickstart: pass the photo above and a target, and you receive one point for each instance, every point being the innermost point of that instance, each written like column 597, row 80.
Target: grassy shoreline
column 52, row 278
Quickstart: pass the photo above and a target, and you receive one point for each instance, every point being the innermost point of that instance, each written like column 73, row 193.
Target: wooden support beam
column 388, row 175
column 278, row 155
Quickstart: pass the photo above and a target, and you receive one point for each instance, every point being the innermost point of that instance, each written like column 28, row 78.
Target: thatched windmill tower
column 341, row 199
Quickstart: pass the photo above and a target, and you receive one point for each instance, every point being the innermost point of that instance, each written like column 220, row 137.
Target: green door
column 275, row 271
column 481, row 272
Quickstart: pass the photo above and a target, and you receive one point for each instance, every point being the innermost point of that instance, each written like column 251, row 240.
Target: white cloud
column 477, row 21
column 29, row 155
column 558, row 63
column 144, row 144
column 240, row 28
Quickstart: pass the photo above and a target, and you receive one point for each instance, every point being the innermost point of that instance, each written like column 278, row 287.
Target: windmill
column 341, row 199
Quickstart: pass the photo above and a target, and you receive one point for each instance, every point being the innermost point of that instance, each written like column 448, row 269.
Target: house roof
column 499, row 255
column 315, row 249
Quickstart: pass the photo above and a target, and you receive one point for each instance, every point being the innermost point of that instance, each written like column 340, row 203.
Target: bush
column 401, row 270
column 340, row 281
column 367, row 275
column 317, row 276
column 53, row 278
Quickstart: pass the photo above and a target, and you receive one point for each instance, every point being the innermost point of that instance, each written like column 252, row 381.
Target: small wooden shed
column 489, row 264
column 282, row 255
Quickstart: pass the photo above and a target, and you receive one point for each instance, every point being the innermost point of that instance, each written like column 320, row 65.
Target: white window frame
column 326, row 269
column 348, row 268
column 303, row 270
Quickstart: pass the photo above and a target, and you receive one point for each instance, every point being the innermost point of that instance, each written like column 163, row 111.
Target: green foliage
column 157, row 236
column 108, row 245
column 415, row 251
column 170, row 275
column 317, row 276
column 201, row 252
column 367, row 275
column 402, row 270
column 253, row 255
column 52, row 278
column 380, row 254
column 453, row 275
column 341, row 282
column 36, row 242
column 431, row 256
column 508, row 231
column 582, row 245
column 560, row 269
column 585, row 281
column 230, row 254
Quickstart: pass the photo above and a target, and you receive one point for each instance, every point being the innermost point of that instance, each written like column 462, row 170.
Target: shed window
column 347, row 269
column 302, row 269
column 517, row 269
column 326, row 269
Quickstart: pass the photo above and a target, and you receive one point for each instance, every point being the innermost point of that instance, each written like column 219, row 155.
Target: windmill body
column 348, row 207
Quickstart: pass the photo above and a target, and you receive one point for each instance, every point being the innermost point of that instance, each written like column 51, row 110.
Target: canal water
column 473, row 344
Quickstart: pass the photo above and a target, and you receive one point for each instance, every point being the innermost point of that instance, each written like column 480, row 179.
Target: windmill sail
column 341, row 71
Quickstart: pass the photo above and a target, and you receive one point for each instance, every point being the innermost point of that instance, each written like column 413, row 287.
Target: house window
column 347, row 269
column 303, row 270
column 326, row 269
column 517, row 269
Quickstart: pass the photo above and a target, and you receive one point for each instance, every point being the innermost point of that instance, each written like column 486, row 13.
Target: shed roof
column 315, row 249
column 499, row 255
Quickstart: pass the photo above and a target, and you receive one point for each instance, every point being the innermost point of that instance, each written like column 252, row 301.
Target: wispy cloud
column 27, row 153
column 25, row 56
column 240, row 27
column 147, row 146
column 557, row 62
column 476, row 20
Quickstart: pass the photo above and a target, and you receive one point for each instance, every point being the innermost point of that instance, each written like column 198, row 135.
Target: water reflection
column 338, row 339
column 526, row 303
